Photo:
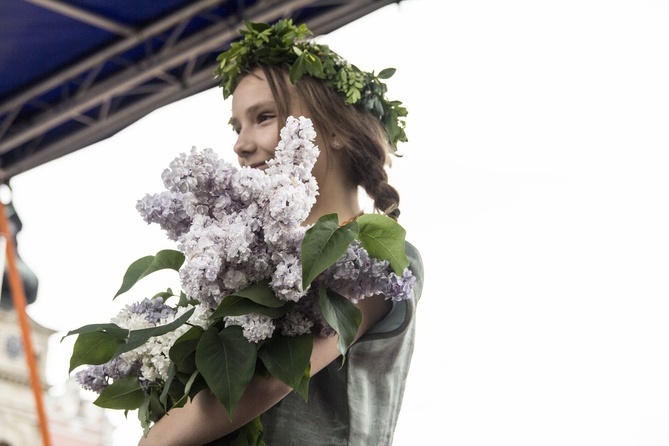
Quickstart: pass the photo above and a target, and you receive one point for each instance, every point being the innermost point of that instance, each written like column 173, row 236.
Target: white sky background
column 534, row 183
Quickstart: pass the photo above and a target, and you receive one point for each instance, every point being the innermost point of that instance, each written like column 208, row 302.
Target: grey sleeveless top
column 357, row 404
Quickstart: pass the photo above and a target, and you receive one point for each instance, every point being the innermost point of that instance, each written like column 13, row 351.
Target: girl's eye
column 265, row 117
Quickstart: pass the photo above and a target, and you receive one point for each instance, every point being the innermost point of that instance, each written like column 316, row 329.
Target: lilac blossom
column 235, row 227
column 356, row 275
column 238, row 226
column 257, row 327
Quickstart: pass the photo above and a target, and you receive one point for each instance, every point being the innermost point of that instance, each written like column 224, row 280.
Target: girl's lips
column 260, row 165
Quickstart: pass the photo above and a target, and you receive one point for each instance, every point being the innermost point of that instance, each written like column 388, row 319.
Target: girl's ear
column 338, row 142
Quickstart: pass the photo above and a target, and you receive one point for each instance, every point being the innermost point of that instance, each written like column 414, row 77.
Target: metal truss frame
column 84, row 107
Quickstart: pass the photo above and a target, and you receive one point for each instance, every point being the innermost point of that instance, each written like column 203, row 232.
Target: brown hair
column 365, row 151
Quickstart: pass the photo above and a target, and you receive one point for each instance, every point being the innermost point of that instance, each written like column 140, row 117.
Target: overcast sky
column 534, row 183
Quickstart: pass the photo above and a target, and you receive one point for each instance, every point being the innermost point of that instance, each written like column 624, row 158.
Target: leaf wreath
column 286, row 44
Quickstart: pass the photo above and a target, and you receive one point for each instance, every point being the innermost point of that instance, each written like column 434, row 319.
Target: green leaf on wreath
column 344, row 317
column 386, row 73
column 323, row 244
column 298, row 68
column 383, row 238
column 227, row 361
column 165, row 259
column 126, row 393
column 287, row 357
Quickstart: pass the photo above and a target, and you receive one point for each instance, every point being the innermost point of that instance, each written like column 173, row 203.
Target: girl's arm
column 204, row 419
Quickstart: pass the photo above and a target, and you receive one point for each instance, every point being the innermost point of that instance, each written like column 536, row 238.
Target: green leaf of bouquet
column 126, row 393
column 261, row 293
column 187, row 389
column 164, row 393
column 95, row 347
column 237, row 306
column 144, row 416
column 344, row 317
column 323, row 244
column 175, row 391
column 111, row 329
column 258, row 298
column 156, row 408
column 164, row 294
column 383, row 238
column 227, row 362
column 182, row 352
column 250, row 434
column 165, row 259
column 256, row 429
column 287, row 357
column 303, row 388
column 139, row 337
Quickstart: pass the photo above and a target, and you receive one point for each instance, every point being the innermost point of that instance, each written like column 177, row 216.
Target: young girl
column 351, row 402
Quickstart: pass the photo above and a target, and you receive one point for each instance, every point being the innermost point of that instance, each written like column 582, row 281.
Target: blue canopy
column 75, row 72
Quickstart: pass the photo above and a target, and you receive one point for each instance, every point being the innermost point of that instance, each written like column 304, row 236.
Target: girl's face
column 255, row 120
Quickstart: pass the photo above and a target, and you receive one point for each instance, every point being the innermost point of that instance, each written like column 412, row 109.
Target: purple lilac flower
column 153, row 310
column 237, row 226
column 356, row 275
column 167, row 210
column 98, row 377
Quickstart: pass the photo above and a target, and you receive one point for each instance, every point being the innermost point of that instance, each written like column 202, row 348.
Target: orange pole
column 19, row 299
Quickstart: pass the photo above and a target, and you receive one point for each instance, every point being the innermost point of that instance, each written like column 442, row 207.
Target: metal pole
column 19, row 300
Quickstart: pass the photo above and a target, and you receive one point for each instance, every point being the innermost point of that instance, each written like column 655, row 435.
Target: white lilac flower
column 150, row 361
column 153, row 355
column 287, row 276
column 249, row 184
column 167, row 210
column 257, row 327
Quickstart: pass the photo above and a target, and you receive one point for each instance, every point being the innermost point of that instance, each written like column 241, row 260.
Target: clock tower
column 70, row 421
column 18, row 415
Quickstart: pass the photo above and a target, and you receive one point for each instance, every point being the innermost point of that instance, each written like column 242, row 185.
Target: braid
column 368, row 169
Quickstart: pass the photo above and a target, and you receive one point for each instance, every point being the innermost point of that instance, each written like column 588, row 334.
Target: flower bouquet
column 257, row 286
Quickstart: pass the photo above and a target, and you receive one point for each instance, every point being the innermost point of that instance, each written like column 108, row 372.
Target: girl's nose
column 244, row 145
